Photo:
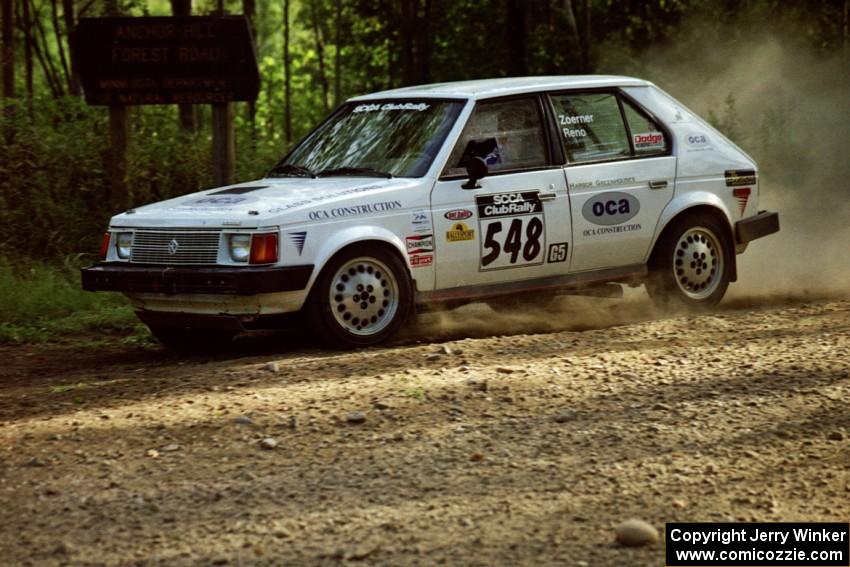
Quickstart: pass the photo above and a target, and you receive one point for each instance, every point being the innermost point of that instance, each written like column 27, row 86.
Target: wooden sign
column 166, row 60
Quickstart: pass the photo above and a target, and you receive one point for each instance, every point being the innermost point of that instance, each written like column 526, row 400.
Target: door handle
column 546, row 196
column 658, row 184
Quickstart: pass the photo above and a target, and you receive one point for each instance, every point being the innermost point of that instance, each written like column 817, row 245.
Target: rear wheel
column 361, row 298
column 691, row 264
column 189, row 339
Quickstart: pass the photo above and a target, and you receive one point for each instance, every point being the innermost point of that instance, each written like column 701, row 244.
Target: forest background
column 774, row 75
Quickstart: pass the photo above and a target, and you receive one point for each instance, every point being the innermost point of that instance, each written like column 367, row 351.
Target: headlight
column 123, row 244
column 240, row 247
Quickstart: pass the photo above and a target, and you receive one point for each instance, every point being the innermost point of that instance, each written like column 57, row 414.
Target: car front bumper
column 757, row 226
column 170, row 280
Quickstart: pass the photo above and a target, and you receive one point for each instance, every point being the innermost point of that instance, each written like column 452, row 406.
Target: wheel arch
column 695, row 204
column 346, row 238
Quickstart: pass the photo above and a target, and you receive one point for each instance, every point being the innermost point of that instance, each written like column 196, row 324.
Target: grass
column 39, row 303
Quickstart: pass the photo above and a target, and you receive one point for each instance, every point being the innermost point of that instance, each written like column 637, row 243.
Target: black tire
column 691, row 264
column 192, row 340
column 361, row 297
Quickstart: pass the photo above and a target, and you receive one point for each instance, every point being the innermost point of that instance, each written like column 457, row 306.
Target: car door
column 620, row 174
column 515, row 223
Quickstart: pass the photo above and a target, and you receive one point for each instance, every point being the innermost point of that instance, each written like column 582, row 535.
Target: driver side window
column 508, row 135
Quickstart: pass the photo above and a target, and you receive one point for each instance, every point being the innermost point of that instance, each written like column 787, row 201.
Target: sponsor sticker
column 420, row 221
column 420, row 243
column 458, row 214
column 649, row 141
column 390, row 106
column 610, row 208
column 739, row 177
column 421, row 260
column 354, row 210
column 508, row 204
column 218, row 202
column 325, row 197
column 460, row 232
column 697, row 142
column 609, row 230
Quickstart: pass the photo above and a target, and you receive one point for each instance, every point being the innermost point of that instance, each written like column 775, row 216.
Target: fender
column 351, row 235
column 683, row 202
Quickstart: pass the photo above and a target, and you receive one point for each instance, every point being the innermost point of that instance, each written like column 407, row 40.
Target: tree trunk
column 186, row 112
column 46, row 60
column 423, row 43
column 8, row 52
column 287, row 82
column 585, row 39
column 320, row 51
column 516, row 38
column 249, row 8
column 74, row 86
column 573, row 45
column 390, row 27
column 405, row 37
column 337, row 57
column 60, row 43
column 846, row 31
column 26, row 25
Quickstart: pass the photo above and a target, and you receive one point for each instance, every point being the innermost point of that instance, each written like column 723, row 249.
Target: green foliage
column 40, row 302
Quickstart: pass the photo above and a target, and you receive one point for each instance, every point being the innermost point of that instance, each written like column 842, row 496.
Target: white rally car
column 442, row 194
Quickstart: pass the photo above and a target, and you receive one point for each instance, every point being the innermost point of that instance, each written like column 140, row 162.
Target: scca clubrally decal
column 513, row 230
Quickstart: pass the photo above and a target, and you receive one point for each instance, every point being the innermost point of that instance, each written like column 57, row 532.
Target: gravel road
column 522, row 448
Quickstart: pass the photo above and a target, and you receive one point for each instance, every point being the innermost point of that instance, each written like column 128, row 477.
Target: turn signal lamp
column 264, row 248
column 104, row 246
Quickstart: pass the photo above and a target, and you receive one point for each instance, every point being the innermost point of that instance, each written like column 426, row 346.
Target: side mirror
column 476, row 168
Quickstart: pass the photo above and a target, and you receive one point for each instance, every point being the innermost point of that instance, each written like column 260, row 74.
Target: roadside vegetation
column 40, row 302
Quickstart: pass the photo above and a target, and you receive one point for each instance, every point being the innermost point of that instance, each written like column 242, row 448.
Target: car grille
column 175, row 247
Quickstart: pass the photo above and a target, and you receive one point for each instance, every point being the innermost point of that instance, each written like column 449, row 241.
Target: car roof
column 488, row 88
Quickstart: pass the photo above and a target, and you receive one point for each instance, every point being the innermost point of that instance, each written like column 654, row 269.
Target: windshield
column 397, row 138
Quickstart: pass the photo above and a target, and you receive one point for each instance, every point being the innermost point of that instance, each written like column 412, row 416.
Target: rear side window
column 647, row 137
column 591, row 126
column 508, row 135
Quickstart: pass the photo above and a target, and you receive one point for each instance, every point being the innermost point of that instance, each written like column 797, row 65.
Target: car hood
column 259, row 203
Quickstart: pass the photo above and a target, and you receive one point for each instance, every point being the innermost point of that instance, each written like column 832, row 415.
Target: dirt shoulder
column 515, row 449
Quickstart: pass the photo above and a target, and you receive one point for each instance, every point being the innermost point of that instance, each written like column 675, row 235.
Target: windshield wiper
column 291, row 169
column 365, row 171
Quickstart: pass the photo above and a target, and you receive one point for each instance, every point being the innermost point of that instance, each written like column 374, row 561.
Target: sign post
column 127, row 61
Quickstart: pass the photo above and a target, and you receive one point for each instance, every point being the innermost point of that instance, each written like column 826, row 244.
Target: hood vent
column 239, row 190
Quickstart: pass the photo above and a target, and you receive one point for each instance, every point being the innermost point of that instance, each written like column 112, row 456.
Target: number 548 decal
column 513, row 229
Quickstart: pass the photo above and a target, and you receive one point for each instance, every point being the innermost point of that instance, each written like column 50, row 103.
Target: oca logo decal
column 610, row 208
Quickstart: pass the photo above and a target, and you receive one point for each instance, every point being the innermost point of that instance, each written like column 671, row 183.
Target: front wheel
column 361, row 298
column 691, row 265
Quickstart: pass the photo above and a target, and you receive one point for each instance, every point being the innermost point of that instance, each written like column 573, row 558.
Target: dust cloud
column 789, row 108
column 563, row 313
